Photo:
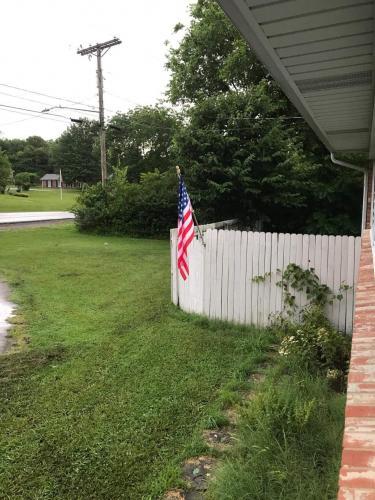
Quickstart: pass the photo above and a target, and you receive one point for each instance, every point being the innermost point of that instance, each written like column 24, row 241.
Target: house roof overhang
column 321, row 53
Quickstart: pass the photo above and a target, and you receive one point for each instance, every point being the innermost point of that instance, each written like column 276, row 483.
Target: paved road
column 25, row 217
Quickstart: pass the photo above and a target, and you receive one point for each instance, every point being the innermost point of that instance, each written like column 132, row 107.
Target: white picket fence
column 221, row 283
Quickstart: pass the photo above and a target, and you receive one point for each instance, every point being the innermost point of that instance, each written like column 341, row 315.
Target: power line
column 18, row 121
column 33, row 111
column 26, row 99
column 47, row 95
column 41, row 116
column 49, row 104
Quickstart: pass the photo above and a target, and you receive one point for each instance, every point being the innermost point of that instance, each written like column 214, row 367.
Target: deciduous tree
column 5, row 172
column 142, row 140
column 77, row 153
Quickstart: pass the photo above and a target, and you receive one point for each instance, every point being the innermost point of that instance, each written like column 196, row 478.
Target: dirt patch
column 174, row 495
column 198, row 471
column 183, row 495
column 219, row 439
column 257, row 378
column 232, row 415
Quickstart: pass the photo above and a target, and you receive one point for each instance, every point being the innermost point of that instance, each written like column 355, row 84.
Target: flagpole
column 178, row 170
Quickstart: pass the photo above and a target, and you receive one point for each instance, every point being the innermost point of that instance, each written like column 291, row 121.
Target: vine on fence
column 312, row 341
column 295, row 279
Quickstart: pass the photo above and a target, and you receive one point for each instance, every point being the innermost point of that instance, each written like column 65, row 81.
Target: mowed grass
column 38, row 201
column 116, row 384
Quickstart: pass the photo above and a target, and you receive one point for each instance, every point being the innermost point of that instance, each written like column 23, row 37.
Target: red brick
column 358, row 458
column 357, row 475
column 360, row 411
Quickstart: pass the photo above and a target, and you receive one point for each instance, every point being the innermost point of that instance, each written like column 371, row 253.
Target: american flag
column 185, row 229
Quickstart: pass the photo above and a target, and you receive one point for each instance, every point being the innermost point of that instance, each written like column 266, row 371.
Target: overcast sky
column 40, row 39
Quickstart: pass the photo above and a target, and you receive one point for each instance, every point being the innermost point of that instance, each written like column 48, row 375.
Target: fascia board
column 241, row 16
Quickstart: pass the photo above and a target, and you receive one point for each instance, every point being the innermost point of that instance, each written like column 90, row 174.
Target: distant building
column 51, row 181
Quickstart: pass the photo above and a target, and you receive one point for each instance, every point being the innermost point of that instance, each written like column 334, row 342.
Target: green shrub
column 5, row 172
column 22, row 181
column 147, row 208
column 19, row 195
column 306, row 335
column 317, row 345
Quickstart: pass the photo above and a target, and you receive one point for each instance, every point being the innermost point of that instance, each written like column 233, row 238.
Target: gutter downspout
column 365, row 184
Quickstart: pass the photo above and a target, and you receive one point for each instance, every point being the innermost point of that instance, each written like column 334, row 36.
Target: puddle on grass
column 6, row 312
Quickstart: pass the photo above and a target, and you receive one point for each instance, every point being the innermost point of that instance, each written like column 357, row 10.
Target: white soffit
column 321, row 52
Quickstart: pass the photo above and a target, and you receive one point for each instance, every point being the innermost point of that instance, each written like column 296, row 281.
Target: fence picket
column 225, row 278
column 194, row 282
column 174, row 288
column 242, row 284
column 214, row 292
column 305, row 264
column 286, row 257
column 324, row 260
column 219, row 274
column 336, row 280
column 274, row 276
column 331, row 269
column 255, row 286
column 261, row 270
column 221, row 283
column 298, row 262
column 231, row 267
column 267, row 282
column 318, row 254
column 311, row 251
column 343, row 281
column 293, row 248
column 237, row 277
column 249, row 276
column 280, row 267
column 207, row 273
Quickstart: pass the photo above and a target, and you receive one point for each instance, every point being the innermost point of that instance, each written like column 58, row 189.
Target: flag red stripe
column 185, row 237
column 182, row 234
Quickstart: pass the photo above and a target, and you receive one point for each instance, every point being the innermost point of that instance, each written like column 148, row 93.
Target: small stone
column 218, row 439
column 197, row 470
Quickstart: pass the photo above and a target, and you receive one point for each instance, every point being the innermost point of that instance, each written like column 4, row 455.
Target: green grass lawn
column 115, row 385
column 38, row 201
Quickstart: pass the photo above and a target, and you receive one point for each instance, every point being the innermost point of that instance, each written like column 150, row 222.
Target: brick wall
column 357, row 474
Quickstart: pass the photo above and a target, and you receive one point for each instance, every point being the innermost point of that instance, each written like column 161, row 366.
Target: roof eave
column 242, row 17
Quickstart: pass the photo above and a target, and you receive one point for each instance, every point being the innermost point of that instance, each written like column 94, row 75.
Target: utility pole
column 99, row 50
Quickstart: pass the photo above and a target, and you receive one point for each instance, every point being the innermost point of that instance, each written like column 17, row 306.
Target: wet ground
column 6, row 312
